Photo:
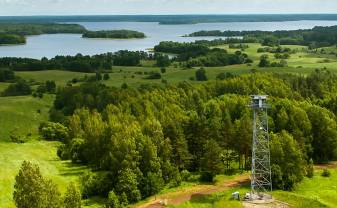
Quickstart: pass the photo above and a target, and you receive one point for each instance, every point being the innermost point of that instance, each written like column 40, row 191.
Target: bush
column 154, row 75
column 207, row 176
column 113, row 201
column 200, row 75
column 310, row 169
column 17, row 89
column 53, row 131
column 326, row 173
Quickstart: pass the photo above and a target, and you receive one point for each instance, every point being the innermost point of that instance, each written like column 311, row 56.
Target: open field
column 38, row 152
column 22, row 114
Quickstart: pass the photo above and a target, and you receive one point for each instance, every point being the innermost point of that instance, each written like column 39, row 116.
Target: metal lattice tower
column 261, row 183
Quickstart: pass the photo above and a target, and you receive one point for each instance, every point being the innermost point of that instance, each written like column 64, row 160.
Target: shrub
column 53, row 131
column 326, row 173
column 154, row 75
column 200, row 75
column 207, row 176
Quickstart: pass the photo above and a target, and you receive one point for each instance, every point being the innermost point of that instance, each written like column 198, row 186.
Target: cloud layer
column 68, row 7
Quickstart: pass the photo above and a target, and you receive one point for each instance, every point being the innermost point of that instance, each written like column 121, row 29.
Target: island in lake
column 114, row 34
column 15, row 33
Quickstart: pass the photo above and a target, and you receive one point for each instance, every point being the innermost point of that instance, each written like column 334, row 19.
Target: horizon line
column 182, row 14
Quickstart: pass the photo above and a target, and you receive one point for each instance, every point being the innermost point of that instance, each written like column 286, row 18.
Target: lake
column 71, row 44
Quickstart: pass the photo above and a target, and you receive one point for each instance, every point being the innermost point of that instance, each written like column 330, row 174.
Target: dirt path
column 187, row 194
column 331, row 165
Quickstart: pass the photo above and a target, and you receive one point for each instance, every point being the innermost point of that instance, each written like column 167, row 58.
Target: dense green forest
column 138, row 141
column 39, row 28
column 316, row 37
column 14, row 33
column 9, row 39
column 199, row 54
column 76, row 63
column 117, row 34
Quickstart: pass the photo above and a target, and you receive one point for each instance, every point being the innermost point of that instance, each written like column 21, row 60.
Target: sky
column 115, row 7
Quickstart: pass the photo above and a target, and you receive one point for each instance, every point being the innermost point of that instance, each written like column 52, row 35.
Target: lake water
column 71, row 44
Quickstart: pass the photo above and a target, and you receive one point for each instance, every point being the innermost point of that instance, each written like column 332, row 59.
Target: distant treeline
column 78, row 63
column 199, row 53
column 14, row 33
column 119, row 34
column 316, row 37
column 8, row 39
column 172, row 19
column 38, row 29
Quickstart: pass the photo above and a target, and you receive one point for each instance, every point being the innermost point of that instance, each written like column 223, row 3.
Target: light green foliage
column 72, row 197
column 53, row 131
column 113, row 201
column 287, row 160
column 33, row 191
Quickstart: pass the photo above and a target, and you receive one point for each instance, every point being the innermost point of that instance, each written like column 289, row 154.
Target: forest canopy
column 316, row 37
column 147, row 138
column 114, row 34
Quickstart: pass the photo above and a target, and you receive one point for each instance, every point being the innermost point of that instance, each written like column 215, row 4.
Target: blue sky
column 68, row 7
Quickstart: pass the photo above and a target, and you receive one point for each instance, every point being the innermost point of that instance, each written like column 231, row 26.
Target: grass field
column 38, row 152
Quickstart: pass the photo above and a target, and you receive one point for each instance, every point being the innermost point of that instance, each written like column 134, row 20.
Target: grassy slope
column 38, row 152
column 21, row 113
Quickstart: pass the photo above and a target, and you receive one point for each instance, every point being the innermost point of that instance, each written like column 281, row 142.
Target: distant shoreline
column 173, row 19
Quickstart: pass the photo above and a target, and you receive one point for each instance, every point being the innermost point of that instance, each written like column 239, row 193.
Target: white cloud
column 54, row 7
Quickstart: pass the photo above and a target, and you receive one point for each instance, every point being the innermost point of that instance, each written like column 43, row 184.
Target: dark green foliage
column 326, row 173
column 163, row 70
column 21, row 87
column 6, row 75
column 314, row 38
column 10, row 39
column 106, row 76
column 162, row 60
column 154, row 75
column 114, row 34
column 211, row 161
column 78, row 63
column 200, row 75
column 198, row 53
column 40, row 28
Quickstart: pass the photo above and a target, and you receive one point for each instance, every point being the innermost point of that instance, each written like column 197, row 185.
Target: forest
column 9, row 39
column 137, row 141
column 315, row 38
column 114, row 34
